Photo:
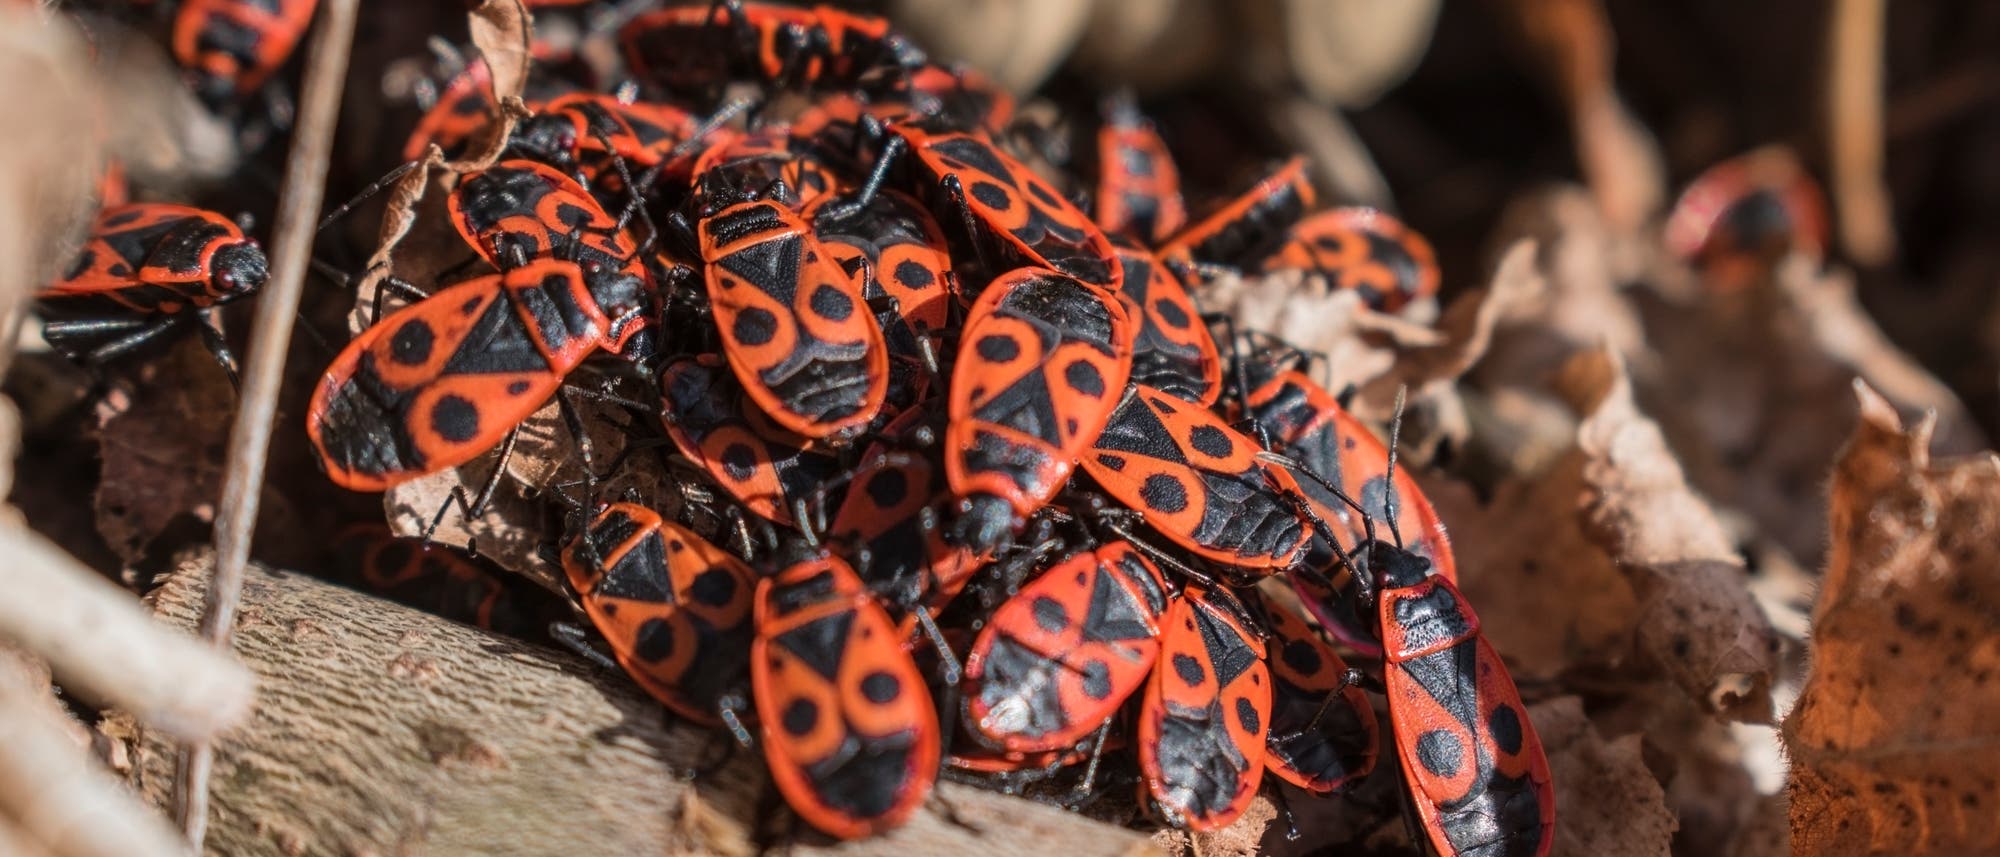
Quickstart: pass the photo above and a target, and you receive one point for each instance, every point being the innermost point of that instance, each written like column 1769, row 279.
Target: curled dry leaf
column 1651, row 585
column 1697, row 621
column 502, row 31
column 1893, row 743
column 1584, row 262
column 1376, row 353
column 1608, row 803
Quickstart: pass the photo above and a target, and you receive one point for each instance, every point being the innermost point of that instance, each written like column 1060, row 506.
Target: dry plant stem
column 383, row 730
column 1854, row 107
column 103, row 647
column 57, row 801
column 250, row 438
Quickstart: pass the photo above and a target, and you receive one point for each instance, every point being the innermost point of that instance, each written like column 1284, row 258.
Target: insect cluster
column 971, row 483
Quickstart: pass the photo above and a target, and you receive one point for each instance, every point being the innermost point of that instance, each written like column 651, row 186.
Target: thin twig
column 1854, row 109
column 250, row 438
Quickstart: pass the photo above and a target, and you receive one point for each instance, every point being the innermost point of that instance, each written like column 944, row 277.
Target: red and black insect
column 1199, row 482
column 149, row 269
column 1042, row 361
column 1174, row 351
column 583, row 131
column 675, row 608
column 1738, row 220
column 520, row 210
column 1202, row 721
column 461, row 113
column 765, row 467
column 1304, row 421
column 443, row 380
column 889, row 523
column 959, row 98
column 1323, row 735
column 444, row 582
column 230, row 47
column 849, row 730
column 898, row 253
column 697, row 48
column 1472, row 763
column 1390, row 265
column 1057, row 660
column 1138, row 184
column 793, row 321
column 1012, row 217
column 770, row 163
column 1247, row 229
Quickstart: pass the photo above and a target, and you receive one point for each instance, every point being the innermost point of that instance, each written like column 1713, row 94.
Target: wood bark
column 381, row 730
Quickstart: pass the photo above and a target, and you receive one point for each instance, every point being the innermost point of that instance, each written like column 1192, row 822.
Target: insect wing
column 1202, row 721
column 675, row 608
column 1471, row 759
column 849, row 730
column 1198, row 482
column 1058, row 659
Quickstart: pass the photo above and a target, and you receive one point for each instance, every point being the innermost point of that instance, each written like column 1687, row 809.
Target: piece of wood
column 382, row 730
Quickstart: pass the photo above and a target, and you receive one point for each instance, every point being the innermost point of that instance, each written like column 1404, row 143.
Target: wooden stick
column 53, row 798
column 103, row 647
column 1858, row 29
column 250, row 438
column 383, row 730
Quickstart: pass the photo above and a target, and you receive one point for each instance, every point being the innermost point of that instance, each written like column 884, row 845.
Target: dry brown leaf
column 1697, row 620
column 1428, row 374
column 1650, row 583
column 1893, row 743
column 502, row 31
column 1608, row 803
column 1584, row 262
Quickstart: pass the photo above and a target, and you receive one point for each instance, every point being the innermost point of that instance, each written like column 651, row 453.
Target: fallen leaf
column 1893, row 744
column 1608, row 803
column 1697, row 621
column 1651, row 584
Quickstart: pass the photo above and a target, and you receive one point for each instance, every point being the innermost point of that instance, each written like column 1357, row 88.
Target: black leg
column 211, row 336
column 134, row 341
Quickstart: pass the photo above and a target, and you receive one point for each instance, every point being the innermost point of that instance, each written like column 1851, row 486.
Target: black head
column 238, row 270
column 1391, row 566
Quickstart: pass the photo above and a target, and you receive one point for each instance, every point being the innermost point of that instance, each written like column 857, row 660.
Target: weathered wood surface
column 381, row 730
